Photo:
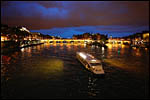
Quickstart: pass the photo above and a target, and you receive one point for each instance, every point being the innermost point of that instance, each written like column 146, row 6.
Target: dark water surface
column 52, row 71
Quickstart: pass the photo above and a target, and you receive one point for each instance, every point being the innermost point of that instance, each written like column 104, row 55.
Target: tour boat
column 90, row 62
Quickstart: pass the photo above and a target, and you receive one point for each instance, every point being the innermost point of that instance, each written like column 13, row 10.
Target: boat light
column 82, row 55
column 103, row 48
column 93, row 60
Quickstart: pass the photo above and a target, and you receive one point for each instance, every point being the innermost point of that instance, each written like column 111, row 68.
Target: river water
column 52, row 71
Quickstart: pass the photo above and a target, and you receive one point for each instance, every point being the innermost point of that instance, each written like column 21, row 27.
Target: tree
column 86, row 35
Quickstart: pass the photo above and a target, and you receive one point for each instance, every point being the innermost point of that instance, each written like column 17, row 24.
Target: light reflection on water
column 52, row 71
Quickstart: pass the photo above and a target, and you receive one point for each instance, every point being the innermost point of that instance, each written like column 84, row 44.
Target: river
column 50, row 71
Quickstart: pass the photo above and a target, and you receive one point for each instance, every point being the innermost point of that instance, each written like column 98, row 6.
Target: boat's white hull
column 90, row 69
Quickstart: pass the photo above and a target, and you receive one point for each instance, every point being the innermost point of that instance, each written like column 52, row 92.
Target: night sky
column 65, row 18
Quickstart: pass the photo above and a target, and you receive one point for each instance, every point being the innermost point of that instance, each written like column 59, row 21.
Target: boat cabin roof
column 89, row 57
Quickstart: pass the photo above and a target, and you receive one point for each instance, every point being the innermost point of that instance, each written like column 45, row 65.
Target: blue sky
column 115, row 31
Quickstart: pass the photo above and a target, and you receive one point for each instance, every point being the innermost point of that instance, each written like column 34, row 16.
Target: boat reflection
column 92, row 83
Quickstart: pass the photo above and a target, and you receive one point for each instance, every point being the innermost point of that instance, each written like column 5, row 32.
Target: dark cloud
column 37, row 15
column 50, row 4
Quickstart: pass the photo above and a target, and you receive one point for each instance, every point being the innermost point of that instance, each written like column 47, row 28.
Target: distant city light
column 4, row 38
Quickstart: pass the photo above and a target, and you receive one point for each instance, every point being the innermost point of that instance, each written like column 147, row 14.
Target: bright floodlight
column 24, row 29
column 82, row 55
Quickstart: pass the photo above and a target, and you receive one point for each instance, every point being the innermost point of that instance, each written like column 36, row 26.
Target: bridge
column 67, row 40
column 82, row 41
column 118, row 41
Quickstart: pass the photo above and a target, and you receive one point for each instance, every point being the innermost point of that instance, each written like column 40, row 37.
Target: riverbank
column 97, row 44
column 31, row 45
column 12, row 46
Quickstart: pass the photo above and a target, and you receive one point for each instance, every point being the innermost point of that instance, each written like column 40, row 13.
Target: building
column 36, row 36
column 146, row 37
column 4, row 37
